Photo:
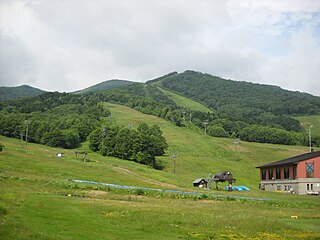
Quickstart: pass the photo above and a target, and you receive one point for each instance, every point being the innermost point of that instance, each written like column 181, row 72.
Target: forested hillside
column 244, row 97
column 253, row 112
column 221, row 108
column 9, row 93
column 103, row 86
column 65, row 120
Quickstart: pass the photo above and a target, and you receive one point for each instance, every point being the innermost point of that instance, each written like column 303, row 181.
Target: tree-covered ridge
column 48, row 101
column 54, row 119
column 103, row 86
column 216, row 92
column 10, row 93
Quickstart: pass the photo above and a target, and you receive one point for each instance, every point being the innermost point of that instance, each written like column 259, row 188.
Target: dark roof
column 292, row 160
column 198, row 180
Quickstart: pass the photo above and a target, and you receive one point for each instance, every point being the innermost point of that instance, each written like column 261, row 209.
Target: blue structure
column 238, row 188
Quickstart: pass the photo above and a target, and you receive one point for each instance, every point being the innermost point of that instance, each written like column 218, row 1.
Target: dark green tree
column 217, row 131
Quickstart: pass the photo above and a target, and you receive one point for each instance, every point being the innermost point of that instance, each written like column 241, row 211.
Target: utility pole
column 174, row 163
column 27, row 130
column 310, row 149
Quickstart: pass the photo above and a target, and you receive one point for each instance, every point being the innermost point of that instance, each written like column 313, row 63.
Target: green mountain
column 103, row 86
column 218, row 93
column 10, row 93
column 222, row 108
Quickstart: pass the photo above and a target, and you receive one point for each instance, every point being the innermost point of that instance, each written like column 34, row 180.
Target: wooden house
column 200, row 182
column 299, row 174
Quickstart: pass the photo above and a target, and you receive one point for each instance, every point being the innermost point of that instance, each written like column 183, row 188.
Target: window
column 278, row 173
column 309, row 170
column 270, row 174
column 307, row 187
column 294, row 171
column 311, row 187
column 278, row 187
column 286, row 173
column 263, row 174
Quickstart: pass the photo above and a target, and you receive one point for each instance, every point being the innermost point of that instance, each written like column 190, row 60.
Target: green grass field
column 37, row 201
column 313, row 121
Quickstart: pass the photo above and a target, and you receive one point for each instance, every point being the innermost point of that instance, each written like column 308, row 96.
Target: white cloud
column 68, row 45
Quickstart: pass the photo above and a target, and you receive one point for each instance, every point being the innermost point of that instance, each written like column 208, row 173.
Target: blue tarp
column 238, row 188
column 167, row 191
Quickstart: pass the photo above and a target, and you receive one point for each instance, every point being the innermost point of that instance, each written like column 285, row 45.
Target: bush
column 217, row 131
column 1, row 147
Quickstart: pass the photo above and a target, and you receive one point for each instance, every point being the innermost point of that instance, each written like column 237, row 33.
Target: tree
column 71, row 138
column 128, row 142
column 53, row 138
column 217, row 131
column 94, row 139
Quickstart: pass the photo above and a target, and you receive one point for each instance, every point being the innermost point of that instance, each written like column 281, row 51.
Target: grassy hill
column 312, row 121
column 10, row 93
column 103, row 86
column 37, row 201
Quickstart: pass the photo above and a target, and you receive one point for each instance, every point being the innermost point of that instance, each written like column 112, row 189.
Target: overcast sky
column 66, row 45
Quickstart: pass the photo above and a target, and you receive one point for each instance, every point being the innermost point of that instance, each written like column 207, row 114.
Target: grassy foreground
column 37, row 201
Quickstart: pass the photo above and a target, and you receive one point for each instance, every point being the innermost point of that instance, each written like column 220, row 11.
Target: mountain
column 10, row 93
column 218, row 93
column 103, row 86
column 220, row 107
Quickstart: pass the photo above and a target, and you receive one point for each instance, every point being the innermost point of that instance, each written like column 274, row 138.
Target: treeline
column 54, row 119
column 140, row 145
column 51, row 100
column 65, row 120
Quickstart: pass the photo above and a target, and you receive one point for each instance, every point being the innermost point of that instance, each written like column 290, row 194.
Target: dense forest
column 247, row 98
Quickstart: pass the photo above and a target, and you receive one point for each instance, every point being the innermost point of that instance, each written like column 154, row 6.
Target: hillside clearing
column 185, row 102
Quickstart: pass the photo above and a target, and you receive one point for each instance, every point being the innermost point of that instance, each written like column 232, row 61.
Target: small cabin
column 200, row 182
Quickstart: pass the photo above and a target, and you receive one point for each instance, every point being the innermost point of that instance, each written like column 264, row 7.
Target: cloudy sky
column 67, row 45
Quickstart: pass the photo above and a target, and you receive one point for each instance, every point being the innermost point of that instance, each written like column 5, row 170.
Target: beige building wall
column 297, row 186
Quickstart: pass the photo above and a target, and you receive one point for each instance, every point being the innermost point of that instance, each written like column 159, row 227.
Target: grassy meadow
column 38, row 202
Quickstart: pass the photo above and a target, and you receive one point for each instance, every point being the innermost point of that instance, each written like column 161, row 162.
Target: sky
column 66, row 45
